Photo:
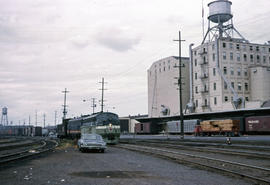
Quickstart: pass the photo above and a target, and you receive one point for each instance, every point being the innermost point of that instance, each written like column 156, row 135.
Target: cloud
column 117, row 39
column 80, row 41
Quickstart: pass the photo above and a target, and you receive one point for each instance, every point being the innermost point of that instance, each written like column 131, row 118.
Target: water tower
column 4, row 118
column 221, row 16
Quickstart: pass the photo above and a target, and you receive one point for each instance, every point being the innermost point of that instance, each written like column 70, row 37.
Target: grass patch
column 67, row 143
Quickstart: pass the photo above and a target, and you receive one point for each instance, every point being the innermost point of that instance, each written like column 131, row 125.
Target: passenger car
column 91, row 142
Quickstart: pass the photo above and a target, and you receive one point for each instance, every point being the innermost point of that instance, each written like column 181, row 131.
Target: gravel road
column 114, row 167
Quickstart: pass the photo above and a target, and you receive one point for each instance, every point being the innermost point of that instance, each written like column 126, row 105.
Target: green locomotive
column 106, row 124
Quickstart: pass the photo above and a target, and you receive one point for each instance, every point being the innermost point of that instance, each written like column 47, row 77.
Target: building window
column 245, row 57
column 215, row 86
column 214, row 71
column 141, row 127
column 251, row 58
column 204, row 60
column 231, row 45
column 264, row 59
column 246, row 98
column 213, row 47
column 215, row 100
column 239, row 71
column 224, row 45
column 232, row 71
column 264, row 50
column 195, row 62
column 237, row 46
column 195, row 53
column 238, row 57
column 204, row 50
column 258, row 59
column 225, row 86
column 225, row 70
column 196, row 103
column 251, row 48
column 232, row 83
column 246, row 86
column 231, row 56
column 205, row 102
column 205, row 88
column 164, row 69
column 257, row 48
column 244, row 47
column 226, row 98
column 196, row 76
column 246, row 72
column 214, row 57
column 224, row 55
column 239, row 86
column 159, row 70
column 196, row 90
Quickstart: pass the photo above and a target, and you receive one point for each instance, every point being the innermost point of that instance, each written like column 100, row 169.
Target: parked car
column 91, row 142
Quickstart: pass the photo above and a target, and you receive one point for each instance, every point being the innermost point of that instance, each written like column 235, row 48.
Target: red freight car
column 142, row 128
column 148, row 128
column 258, row 124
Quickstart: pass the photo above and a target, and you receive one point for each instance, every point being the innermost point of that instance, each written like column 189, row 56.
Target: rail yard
column 136, row 160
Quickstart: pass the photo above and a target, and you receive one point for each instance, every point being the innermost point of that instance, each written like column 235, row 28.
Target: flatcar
column 218, row 127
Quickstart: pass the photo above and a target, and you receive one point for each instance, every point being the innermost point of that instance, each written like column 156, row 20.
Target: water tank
column 220, row 11
column 4, row 111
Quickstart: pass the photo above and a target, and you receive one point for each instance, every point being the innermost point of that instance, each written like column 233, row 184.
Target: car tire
column 102, row 150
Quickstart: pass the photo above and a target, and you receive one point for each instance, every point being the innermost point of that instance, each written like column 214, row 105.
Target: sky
column 47, row 46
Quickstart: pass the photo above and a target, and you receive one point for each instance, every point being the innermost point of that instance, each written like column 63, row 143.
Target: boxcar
column 258, row 124
column 174, row 127
column 147, row 128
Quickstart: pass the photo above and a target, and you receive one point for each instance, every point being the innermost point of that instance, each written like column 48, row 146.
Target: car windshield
column 91, row 137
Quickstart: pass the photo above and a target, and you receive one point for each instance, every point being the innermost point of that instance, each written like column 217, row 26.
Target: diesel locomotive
column 106, row 124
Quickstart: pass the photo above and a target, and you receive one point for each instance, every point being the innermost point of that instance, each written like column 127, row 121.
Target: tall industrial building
column 229, row 72
column 163, row 93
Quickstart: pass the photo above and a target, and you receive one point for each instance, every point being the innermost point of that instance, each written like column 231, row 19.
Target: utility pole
column 36, row 117
column 29, row 120
column 44, row 117
column 93, row 104
column 55, row 117
column 65, row 105
column 180, row 86
column 102, row 94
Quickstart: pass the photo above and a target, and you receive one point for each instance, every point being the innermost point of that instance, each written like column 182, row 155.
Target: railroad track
column 233, row 151
column 255, row 173
column 46, row 145
column 237, row 148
